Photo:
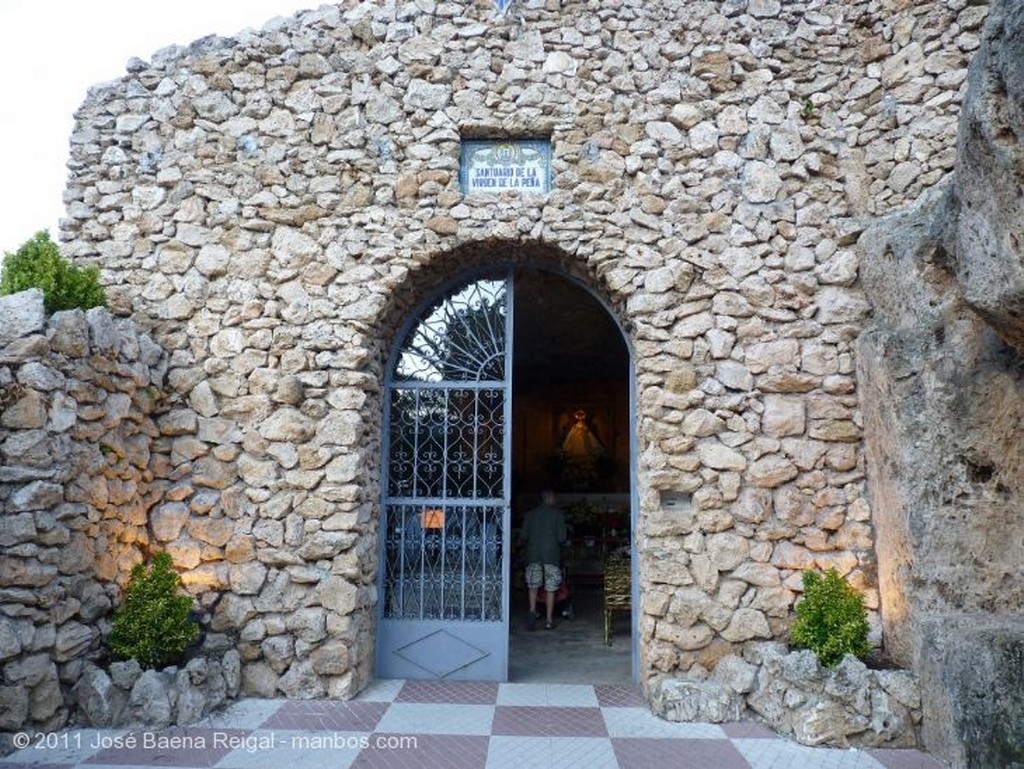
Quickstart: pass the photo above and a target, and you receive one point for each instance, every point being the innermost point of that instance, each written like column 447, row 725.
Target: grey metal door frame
column 443, row 543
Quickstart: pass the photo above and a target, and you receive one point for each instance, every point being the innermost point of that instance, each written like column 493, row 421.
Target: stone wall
column 272, row 206
column 125, row 695
column 848, row 705
column 79, row 396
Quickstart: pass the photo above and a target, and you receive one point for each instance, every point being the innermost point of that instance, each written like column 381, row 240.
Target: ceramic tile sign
column 502, row 165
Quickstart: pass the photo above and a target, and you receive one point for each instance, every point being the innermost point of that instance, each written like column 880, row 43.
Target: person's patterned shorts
column 550, row 575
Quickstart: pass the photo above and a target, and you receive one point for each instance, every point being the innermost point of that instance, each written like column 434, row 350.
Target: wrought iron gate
column 445, row 521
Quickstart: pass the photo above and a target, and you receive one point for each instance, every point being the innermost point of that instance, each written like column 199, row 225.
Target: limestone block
column 332, row 658
column 421, row 94
column 803, row 669
column 753, row 505
column 841, row 305
column 247, row 578
column 123, row 674
column 327, row 544
column 607, row 168
column 92, row 693
column 168, row 520
column 703, row 701
column 720, row 457
column 715, row 66
column 302, row 682
column 344, row 468
column 213, row 531
column 258, row 680
column 854, row 536
column 10, row 642
column 209, row 471
column 745, row 625
column 835, row 430
column 38, row 495
column 783, row 415
column 774, row 602
column 828, row 723
column 25, row 572
column 38, row 375
column 704, row 571
column 905, row 64
column 308, row 624
column 189, row 702
column 231, row 670
column 150, row 700
column 687, row 639
column 289, row 390
column 764, row 8
column 764, row 356
column 73, row 640
column 69, row 333
column 14, row 705
column 785, row 142
column 21, row 314
column 46, row 697
column 338, row 594
column 685, row 115
column 761, row 182
column 734, row 375
column 727, row 550
column 794, row 506
column 790, row 556
column 817, row 358
column 202, row 400
column 736, row 673
column 901, row 685
column 255, row 472
column 280, row 594
column 761, row 574
column 288, row 425
column 772, row 471
column 702, row 423
column 232, row 612
column 664, row 133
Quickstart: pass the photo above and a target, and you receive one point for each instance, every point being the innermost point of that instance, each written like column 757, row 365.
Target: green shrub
column 831, row 619
column 152, row 625
column 38, row 264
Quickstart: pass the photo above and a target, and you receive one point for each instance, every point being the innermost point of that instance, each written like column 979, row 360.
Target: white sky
column 51, row 51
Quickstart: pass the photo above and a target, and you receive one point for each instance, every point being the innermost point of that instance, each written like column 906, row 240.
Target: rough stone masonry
column 270, row 208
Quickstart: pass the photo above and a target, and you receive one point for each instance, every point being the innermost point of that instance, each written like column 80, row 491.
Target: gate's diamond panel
column 441, row 653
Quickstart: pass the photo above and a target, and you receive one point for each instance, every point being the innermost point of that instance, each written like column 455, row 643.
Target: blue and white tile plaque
column 501, row 165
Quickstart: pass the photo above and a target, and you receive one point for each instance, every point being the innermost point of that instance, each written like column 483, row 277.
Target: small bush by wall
column 153, row 625
column 830, row 619
column 65, row 286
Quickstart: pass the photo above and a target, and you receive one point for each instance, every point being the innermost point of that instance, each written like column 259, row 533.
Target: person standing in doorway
column 543, row 532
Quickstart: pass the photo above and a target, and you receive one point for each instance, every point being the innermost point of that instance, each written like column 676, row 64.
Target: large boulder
column 942, row 393
column 985, row 236
column 972, row 675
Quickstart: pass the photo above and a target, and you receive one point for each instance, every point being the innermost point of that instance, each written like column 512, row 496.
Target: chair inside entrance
column 617, row 590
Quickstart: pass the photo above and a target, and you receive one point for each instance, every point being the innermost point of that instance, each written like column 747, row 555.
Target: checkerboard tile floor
column 422, row 725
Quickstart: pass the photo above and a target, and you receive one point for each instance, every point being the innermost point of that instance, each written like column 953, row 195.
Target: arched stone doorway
column 506, row 381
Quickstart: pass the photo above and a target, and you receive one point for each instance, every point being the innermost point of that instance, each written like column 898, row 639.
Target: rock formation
column 941, row 372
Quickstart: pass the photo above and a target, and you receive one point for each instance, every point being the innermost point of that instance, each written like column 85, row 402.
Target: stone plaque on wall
column 500, row 165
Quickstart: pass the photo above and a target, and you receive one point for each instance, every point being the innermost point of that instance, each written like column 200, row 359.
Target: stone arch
column 427, row 273
column 432, row 277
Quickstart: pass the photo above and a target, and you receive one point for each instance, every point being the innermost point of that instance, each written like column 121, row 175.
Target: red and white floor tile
column 421, row 725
